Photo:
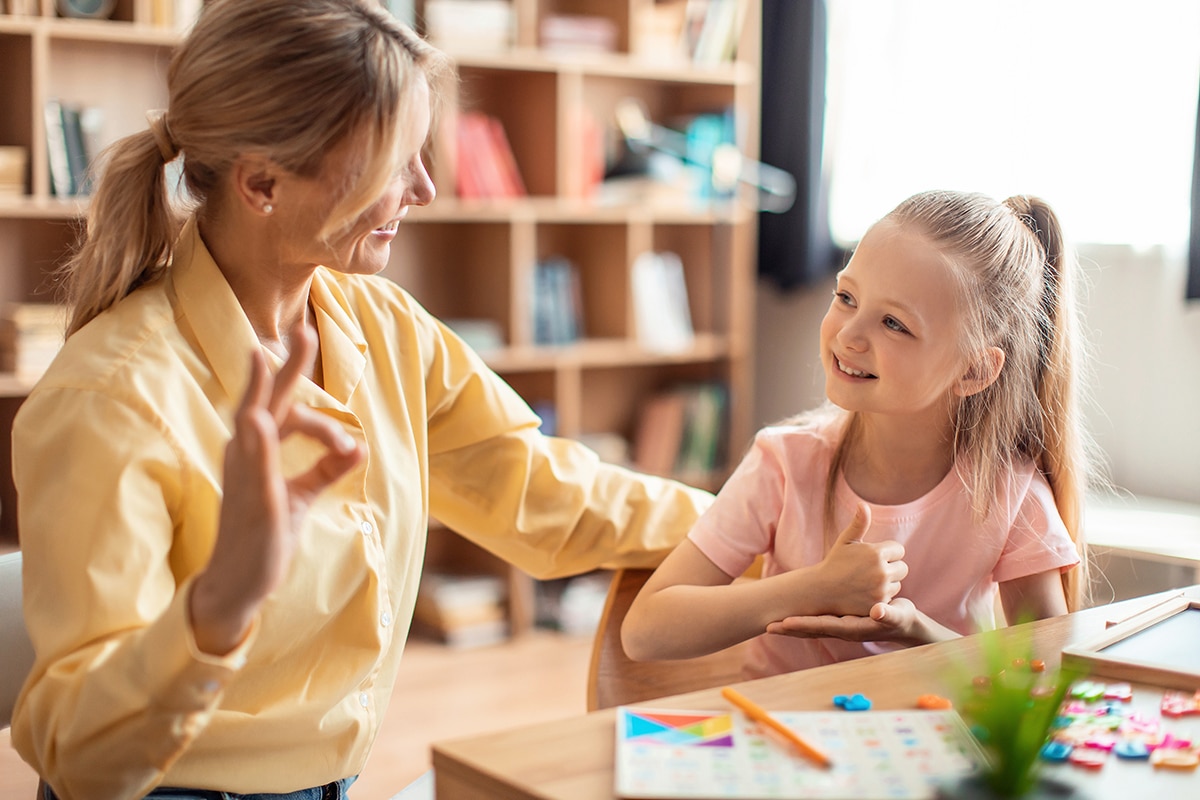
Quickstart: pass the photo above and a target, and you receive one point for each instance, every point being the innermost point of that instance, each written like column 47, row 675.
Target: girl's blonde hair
column 1016, row 289
column 286, row 79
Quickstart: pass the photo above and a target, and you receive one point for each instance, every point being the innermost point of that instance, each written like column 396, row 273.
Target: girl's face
column 364, row 246
column 890, row 342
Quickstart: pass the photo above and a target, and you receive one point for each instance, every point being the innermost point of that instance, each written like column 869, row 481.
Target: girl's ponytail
column 1064, row 455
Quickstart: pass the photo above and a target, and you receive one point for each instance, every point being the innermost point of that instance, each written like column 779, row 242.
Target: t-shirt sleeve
column 1038, row 540
column 740, row 524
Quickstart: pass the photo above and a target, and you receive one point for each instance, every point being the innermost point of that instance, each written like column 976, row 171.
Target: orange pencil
column 759, row 715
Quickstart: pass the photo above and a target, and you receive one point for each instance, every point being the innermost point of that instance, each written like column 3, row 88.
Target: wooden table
column 572, row 759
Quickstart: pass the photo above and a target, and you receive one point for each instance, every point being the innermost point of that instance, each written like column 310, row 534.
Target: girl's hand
column 897, row 621
column 263, row 512
column 861, row 574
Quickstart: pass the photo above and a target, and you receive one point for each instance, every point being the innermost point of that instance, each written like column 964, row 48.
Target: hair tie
column 162, row 135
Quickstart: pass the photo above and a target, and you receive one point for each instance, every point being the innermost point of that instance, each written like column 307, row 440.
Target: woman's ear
column 254, row 179
column 982, row 373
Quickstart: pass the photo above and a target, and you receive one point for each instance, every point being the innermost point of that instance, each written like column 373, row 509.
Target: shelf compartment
column 525, row 101
column 600, row 254
column 471, row 276
column 16, row 85
column 30, row 250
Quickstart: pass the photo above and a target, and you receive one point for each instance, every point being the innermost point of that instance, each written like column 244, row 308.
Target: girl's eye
column 843, row 297
column 891, row 323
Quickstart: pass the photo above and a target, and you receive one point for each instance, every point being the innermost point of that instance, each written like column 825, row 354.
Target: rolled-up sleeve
column 548, row 505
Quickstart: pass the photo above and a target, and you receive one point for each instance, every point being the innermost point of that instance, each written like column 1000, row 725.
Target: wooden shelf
column 463, row 258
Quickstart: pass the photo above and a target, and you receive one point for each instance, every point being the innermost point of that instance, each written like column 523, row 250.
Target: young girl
column 950, row 458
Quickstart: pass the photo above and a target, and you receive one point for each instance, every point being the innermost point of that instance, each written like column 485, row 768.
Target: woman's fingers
column 303, row 349
column 343, row 450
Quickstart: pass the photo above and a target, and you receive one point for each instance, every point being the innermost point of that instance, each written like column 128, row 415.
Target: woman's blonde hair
column 1016, row 289
column 286, row 79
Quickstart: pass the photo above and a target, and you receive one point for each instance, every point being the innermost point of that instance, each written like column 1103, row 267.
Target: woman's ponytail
column 131, row 227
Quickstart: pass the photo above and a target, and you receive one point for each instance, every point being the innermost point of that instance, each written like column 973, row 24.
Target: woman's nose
column 422, row 191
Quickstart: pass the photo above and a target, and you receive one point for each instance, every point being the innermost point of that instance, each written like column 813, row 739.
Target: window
column 1090, row 104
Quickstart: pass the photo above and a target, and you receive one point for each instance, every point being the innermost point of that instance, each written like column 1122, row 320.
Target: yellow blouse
column 118, row 460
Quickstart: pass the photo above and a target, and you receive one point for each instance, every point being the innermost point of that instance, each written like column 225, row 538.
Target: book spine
column 56, row 148
column 77, row 155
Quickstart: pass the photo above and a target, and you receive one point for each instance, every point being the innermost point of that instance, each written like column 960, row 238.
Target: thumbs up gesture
column 861, row 574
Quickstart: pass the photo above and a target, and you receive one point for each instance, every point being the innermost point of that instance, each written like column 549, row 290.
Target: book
column 574, row 34
column 56, row 150
column 703, row 430
column 31, row 334
column 662, row 317
column 707, row 754
column 470, row 25
column 78, row 159
column 712, row 29
column 486, row 166
column 557, row 302
column 403, row 10
column 502, row 157
column 462, row 610
column 659, row 437
column 680, row 431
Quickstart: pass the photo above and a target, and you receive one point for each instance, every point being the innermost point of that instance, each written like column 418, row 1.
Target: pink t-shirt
column 773, row 505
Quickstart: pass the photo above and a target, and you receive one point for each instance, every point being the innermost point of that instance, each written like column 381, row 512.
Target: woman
column 221, row 562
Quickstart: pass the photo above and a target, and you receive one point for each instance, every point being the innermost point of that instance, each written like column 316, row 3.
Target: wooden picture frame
column 1160, row 646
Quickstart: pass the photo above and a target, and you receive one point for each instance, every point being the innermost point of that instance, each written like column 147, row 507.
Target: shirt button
column 385, row 619
column 366, row 527
column 363, row 699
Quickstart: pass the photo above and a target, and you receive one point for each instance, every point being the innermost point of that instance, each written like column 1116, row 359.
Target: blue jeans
column 338, row 790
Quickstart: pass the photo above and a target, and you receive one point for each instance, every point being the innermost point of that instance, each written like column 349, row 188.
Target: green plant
column 1011, row 708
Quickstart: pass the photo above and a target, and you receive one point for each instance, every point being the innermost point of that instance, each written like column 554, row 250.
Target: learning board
column 704, row 755
column 1160, row 646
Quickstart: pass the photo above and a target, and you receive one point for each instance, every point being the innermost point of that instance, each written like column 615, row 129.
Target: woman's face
column 364, row 246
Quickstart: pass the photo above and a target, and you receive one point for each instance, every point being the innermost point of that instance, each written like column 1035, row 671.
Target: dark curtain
column 1193, row 283
column 795, row 248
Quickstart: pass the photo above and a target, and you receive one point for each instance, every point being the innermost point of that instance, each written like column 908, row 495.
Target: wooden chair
column 614, row 679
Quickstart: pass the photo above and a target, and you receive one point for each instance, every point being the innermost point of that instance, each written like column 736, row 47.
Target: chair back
column 614, row 679
column 16, row 652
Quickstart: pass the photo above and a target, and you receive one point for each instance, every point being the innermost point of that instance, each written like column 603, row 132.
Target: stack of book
column 31, row 334
column 486, row 167
column 557, row 302
column 70, row 144
column 711, row 29
column 474, row 26
column 461, row 610
column 680, row 432
column 575, row 34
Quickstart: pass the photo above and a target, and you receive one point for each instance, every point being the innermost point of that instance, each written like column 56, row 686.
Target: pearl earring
column 268, row 208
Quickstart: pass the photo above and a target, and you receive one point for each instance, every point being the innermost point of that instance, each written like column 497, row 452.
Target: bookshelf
column 465, row 258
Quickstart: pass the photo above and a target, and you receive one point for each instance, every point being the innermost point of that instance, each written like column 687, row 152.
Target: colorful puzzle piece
column 933, row 702
column 1175, row 758
column 854, row 702
column 1178, row 704
column 1131, row 750
column 1088, row 757
column 1056, row 751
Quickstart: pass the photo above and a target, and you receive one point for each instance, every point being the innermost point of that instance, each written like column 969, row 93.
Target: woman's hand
column 262, row 512
column 861, row 574
column 898, row 621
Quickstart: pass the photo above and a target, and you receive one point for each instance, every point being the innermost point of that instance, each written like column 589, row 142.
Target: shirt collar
column 224, row 334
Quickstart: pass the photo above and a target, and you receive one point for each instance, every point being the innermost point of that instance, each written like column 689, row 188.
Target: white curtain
column 1090, row 104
